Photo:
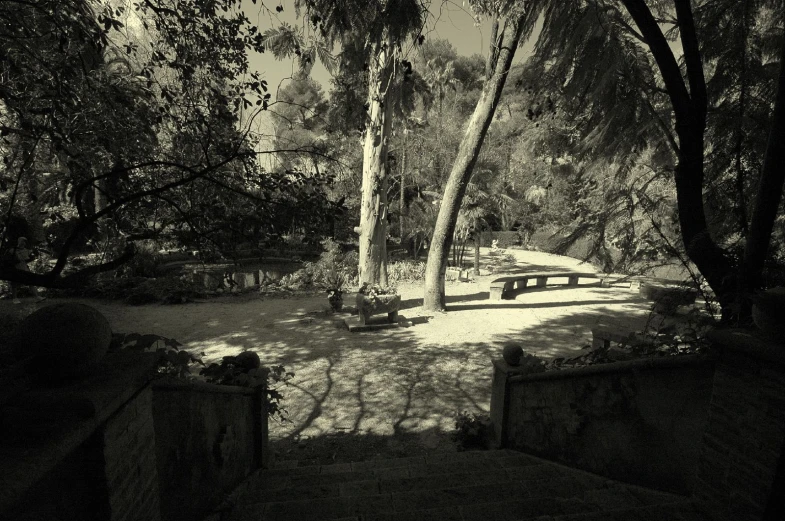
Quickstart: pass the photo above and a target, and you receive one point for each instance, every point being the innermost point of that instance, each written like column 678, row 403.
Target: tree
column 717, row 86
column 104, row 129
column 501, row 54
column 300, row 113
column 379, row 28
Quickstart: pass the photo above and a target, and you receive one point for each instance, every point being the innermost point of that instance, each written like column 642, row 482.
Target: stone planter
column 367, row 306
column 667, row 299
column 767, row 313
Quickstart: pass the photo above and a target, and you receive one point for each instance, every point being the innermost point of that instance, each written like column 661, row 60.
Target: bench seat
column 503, row 287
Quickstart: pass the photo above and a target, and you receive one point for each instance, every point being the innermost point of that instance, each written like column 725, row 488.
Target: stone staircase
column 498, row 485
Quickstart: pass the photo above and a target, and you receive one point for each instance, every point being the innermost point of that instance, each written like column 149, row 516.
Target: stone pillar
column 502, row 372
column 738, row 468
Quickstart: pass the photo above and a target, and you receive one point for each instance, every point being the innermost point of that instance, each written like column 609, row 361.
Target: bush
column 145, row 261
column 138, row 290
column 245, row 370
column 472, row 431
column 500, row 262
column 405, row 271
column 332, row 263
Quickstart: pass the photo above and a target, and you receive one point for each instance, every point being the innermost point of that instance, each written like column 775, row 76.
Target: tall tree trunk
column 767, row 199
column 373, row 208
column 477, row 254
column 462, row 169
column 402, row 198
column 689, row 107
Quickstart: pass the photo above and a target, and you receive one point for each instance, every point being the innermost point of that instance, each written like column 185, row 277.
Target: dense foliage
column 129, row 121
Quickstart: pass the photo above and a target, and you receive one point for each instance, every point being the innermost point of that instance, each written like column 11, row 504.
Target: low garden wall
column 208, row 439
column 118, row 445
column 639, row 421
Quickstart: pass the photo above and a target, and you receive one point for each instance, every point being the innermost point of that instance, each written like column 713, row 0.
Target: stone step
column 451, row 463
column 681, row 511
column 482, row 486
column 462, row 507
column 545, row 480
column 563, row 495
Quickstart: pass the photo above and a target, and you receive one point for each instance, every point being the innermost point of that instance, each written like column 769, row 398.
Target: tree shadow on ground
column 381, row 384
column 523, row 268
column 536, row 305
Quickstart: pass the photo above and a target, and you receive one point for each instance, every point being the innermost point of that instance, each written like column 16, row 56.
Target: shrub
column 138, row 290
column 405, row 271
column 145, row 261
column 472, row 431
column 500, row 262
column 245, row 370
column 687, row 336
column 332, row 263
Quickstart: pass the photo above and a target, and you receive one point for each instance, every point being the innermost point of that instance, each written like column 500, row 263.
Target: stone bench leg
column 392, row 317
column 496, row 293
column 573, row 280
column 541, row 281
column 521, row 283
column 508, row 287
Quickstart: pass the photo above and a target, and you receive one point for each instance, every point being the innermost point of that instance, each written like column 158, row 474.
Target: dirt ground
column 407, row 382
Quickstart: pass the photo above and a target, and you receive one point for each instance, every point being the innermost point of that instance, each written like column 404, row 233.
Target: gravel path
column 409, row 380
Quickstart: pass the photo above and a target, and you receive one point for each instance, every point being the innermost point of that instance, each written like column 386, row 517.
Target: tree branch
column 692, row 58
column 666, row 61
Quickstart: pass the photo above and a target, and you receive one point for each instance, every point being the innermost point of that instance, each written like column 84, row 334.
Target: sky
column 448, row 19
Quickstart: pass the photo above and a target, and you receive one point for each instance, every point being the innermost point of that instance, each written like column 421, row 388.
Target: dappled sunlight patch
column 405, row 380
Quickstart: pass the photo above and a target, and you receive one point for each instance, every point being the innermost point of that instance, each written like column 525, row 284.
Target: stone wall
column 640, row 421
column 207, row 441
column 114, row 446
column 743, row 442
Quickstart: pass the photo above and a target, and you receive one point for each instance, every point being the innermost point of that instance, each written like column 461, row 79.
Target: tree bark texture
column 374, row 208
column 464, row 163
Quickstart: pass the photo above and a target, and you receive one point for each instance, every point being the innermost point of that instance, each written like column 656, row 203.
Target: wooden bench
column 503, row 287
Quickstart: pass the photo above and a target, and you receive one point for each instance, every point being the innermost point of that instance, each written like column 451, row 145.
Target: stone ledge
column 169, row 384
column 617, row 367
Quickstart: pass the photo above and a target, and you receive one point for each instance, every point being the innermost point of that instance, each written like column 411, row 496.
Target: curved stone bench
column 503, row 287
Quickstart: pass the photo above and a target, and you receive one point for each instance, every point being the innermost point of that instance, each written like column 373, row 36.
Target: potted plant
column 374, row 299
column 334, row 282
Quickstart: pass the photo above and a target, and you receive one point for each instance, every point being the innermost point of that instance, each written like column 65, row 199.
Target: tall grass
column 405, row 271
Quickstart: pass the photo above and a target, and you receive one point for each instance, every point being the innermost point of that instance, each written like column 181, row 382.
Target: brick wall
column 119, row 448
column 746, row 430
column 640, row 422
column 129, row 459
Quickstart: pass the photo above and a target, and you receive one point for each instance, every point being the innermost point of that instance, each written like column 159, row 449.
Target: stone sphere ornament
column 66, row 341
column 248, row 360
column 512, row 354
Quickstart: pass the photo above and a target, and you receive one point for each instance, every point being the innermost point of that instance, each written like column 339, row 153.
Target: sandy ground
column 409, row 380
